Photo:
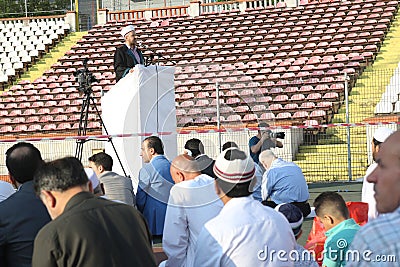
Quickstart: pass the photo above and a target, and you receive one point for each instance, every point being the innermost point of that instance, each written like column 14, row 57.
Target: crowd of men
column 63, row 214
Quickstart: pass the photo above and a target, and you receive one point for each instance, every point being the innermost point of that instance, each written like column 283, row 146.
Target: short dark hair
column 60, row 175
column 155, row 143
column 22, row 161
column 376, row 142
column 195, row 146
column 235, row 190
column 102, row 159
column 331, row 203
column 229, row 144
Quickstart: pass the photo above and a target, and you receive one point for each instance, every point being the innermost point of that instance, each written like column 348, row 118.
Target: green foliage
column 16, row 8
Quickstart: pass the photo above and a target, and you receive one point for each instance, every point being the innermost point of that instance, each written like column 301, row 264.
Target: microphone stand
column 150, row 60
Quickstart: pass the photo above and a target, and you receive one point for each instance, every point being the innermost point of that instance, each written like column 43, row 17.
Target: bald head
column 184, row 167
column 386, row 176
column 266, row 158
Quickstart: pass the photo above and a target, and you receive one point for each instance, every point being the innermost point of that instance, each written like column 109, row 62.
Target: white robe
column 245, row 233
column 367, row 193
column 191, row 204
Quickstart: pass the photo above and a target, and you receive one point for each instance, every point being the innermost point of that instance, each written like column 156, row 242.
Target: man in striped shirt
column 378, row 241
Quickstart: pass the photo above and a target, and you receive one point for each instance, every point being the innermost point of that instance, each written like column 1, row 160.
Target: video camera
column 280, row 135
column 85, row 78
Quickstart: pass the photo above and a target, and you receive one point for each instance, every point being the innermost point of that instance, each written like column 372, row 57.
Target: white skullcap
column 6, row 190
column 382, row 134
column 126, row 30
column 92, row 177
column 236, row 170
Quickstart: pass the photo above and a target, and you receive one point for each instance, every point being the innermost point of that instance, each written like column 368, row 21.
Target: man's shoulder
column 122, row 48
column 17, row 199
column 160, row 162
column 343, row 236
column 382, row 228
column 254, row 140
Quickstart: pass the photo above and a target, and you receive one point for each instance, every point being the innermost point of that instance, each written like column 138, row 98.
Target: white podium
column 141, row 102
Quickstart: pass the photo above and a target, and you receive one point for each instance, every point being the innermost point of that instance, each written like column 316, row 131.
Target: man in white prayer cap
column 367, row 195
column 127, row 55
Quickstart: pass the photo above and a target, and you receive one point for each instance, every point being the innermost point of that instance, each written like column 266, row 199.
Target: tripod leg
column 83, row 119
column 109, row 139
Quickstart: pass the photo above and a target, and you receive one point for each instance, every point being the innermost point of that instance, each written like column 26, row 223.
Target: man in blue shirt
column 332, row 211
column 155, row 183
column 262, row 141
column 283, row 182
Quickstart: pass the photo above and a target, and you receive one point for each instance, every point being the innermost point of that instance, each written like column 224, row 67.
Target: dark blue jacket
column 22, row 215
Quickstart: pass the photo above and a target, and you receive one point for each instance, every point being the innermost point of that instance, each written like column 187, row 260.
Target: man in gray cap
column 127, row 55
column 367, row 195
column 245, row 232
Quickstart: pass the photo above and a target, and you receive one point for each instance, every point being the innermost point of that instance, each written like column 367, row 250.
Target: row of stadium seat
column 256, row 81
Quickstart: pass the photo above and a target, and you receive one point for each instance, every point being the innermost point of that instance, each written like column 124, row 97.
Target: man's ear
column 181, row 176
column 329, row 218
column 13, row 181
column 100, row 168
column 48, row 198
column 218, row 189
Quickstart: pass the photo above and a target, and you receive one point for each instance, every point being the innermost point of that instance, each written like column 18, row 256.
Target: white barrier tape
column 223, row 130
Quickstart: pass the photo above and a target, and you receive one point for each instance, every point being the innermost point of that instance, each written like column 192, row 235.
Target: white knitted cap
column 382, row 134
column 126, row 30
column 236, row 170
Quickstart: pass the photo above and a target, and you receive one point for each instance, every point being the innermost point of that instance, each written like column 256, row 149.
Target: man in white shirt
column 367, row 193
column 244, row 233
column 192, row 203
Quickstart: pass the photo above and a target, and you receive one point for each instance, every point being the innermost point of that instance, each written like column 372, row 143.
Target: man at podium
column 127, row 55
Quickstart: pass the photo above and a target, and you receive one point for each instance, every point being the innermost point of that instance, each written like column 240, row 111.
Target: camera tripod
column 85, row 79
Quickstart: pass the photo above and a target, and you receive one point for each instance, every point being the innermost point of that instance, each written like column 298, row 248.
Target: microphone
column 142, row 45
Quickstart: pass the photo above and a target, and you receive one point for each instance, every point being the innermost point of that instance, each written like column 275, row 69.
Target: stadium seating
column 22, row 43
column 264, row 60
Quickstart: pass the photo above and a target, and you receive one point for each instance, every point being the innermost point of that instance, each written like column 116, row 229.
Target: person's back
column 113, row 230
column 23, row 214
column 244, row 232
column 155, row 183
column 246, row 222
column 286, row 183
column 86, row 230
column 118, row 187
column 191, row 204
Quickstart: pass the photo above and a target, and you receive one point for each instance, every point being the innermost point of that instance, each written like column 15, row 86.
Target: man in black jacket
column 86, row 230
column 22, row 215
column 195, row 148
column 127, row 55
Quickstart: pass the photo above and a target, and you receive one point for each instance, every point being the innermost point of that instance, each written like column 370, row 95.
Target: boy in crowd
column 332, row 211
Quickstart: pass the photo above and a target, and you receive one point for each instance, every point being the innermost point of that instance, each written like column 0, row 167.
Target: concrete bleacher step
column 337, row 157
column 330, row 148
column 50, row 58
column 343, row 175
